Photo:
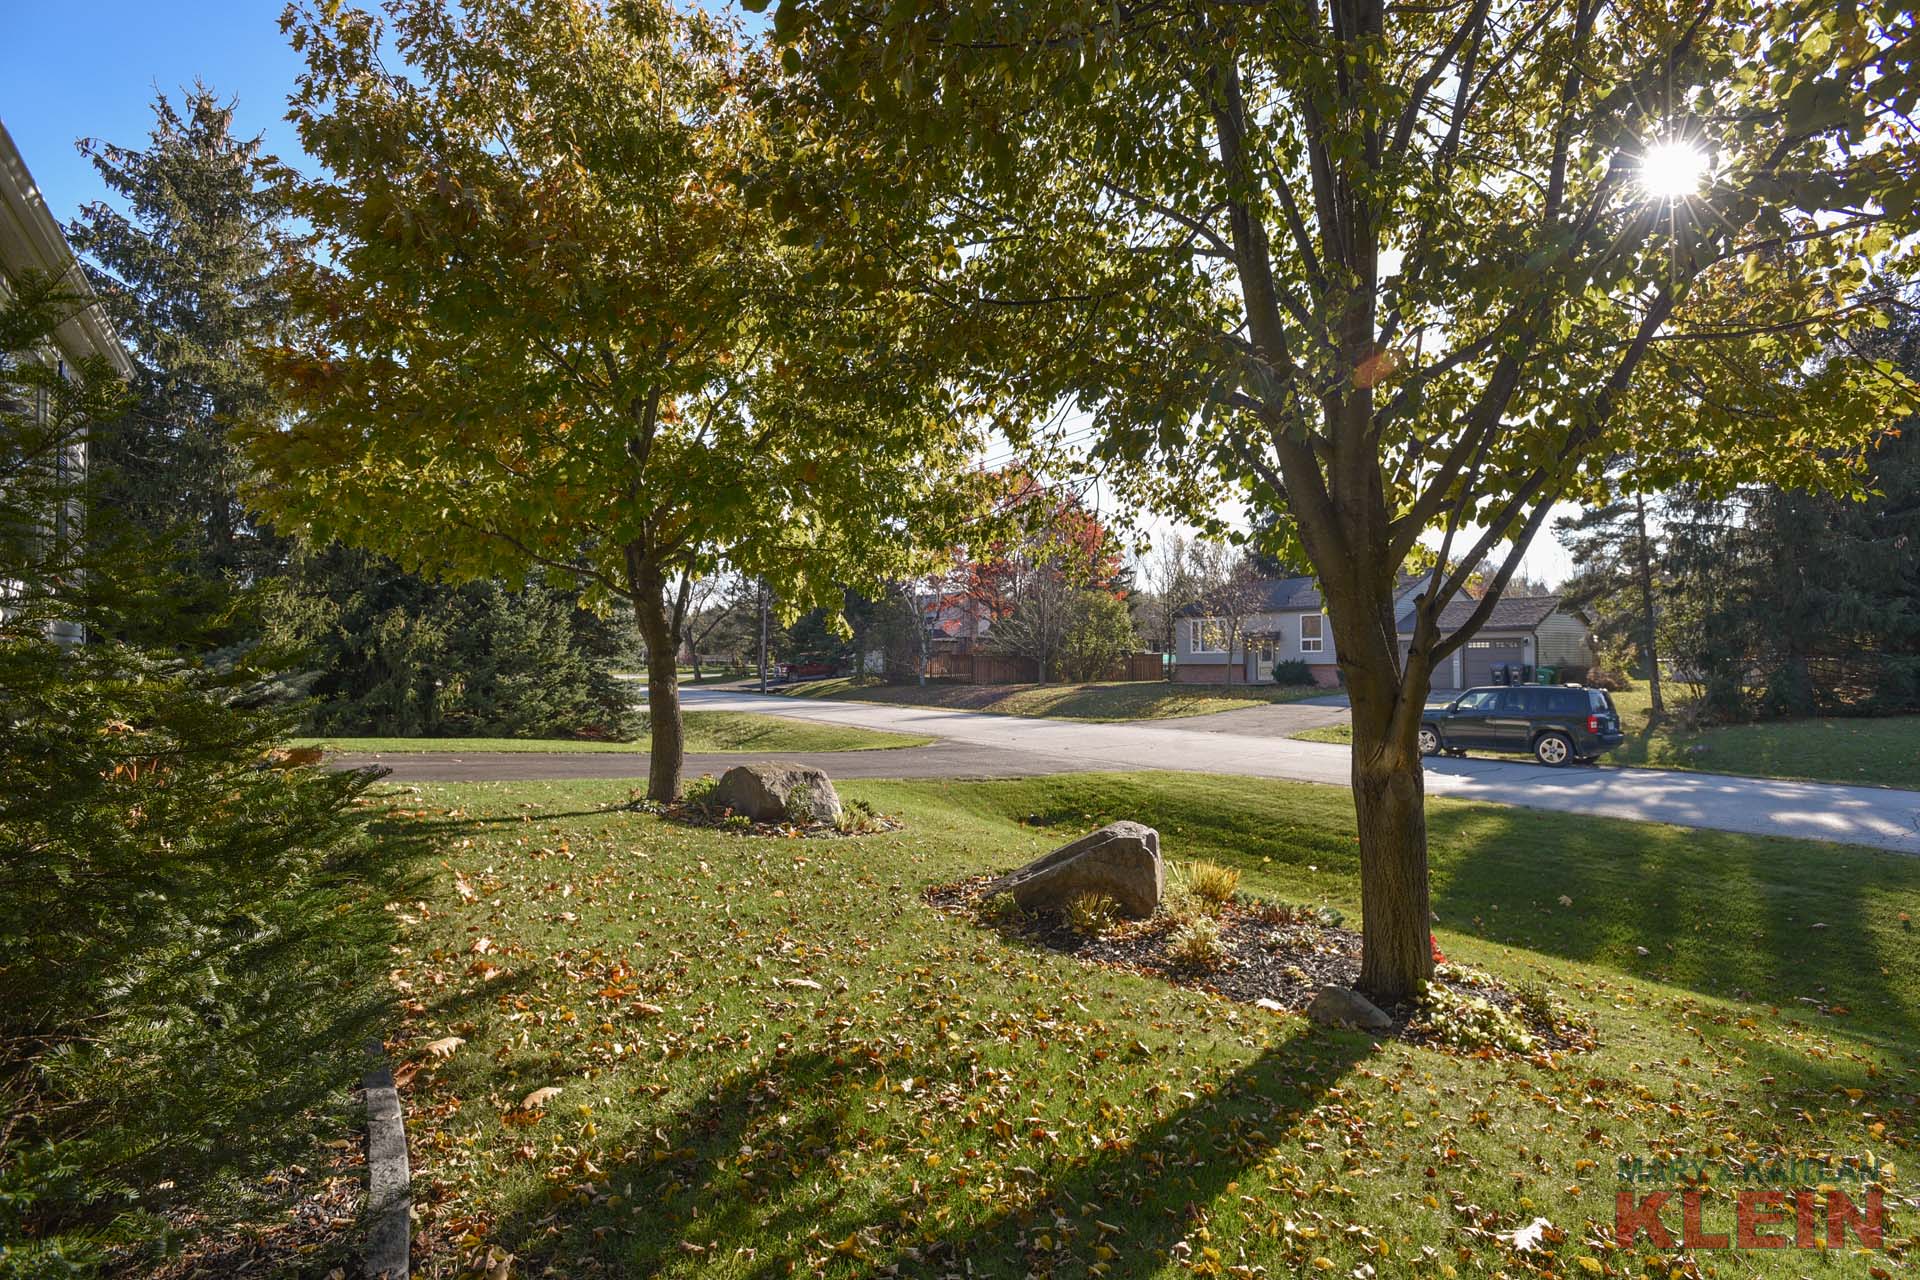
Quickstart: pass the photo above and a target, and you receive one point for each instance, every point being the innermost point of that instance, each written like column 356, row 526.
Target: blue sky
column 89, row 68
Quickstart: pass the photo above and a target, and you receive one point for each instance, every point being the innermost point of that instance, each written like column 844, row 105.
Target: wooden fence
column 990, row 668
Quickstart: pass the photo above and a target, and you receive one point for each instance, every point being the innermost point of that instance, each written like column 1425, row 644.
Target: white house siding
column 30, row 239
column 1561, row 639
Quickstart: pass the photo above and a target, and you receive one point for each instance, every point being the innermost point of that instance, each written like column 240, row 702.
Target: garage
column 1483, row 655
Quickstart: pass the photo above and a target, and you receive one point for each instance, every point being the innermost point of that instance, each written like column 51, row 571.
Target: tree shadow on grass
column 776, row 1171
column 1743, row 918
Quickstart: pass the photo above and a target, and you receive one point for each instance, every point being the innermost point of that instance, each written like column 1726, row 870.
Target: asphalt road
column 981, row 745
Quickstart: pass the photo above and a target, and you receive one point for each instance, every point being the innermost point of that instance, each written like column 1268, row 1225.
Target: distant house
column 1529, row 631
column 1291, row 626
column 956, row 621
column 30, row 240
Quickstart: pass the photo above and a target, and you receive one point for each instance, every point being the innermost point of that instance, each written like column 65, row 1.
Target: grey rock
column 1337, row 1006
column 1121, row 859
column 764, row 791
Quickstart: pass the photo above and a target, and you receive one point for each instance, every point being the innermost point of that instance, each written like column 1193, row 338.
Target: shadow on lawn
column 772, row 1198
column 1736, row 921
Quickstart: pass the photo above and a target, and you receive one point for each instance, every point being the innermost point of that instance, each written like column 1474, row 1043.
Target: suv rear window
column 1597, row 700
column 1559, row 702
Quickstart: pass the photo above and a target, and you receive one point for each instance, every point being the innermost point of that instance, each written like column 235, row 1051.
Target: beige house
column 30, row 240
column 1523, row 631
column 1291, row 626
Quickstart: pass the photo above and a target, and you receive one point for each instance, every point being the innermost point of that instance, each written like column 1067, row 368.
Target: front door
column 1260, row 656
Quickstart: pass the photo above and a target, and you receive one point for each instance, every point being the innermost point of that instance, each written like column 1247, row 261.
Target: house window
column 1206, row 635
column 1310, row 625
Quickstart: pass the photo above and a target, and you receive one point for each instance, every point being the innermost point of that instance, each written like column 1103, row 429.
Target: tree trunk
column 666, row 756
column 1389, row 802
column 763, row 635
column 1656, row 708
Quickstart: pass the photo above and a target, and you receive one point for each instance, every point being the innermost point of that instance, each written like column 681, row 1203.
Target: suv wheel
column 1553, row 749
column 1429, row 740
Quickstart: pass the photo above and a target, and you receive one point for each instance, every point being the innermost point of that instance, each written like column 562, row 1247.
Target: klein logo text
column 1799, row 1219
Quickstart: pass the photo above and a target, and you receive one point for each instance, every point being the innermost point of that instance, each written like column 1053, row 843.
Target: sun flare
column 1673, row 170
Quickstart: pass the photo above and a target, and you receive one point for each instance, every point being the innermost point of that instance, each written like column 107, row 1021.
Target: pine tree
column 185, row 267
column 1615, row 548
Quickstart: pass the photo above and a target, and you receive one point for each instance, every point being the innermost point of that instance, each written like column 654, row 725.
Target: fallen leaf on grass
column 444, row 1047
column 1528, row 1237
column 539, row 1098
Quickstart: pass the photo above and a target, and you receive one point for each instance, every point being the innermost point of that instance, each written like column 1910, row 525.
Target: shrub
column 192, row 945
column 1471, row 1022
column 1197, row 944
column 799, row 812
column 699, row 793
column 1000, row 908
column 1092, row 914
column 857, row 817
column 1178, row 902
column 1293, row 671
column 1212, row 883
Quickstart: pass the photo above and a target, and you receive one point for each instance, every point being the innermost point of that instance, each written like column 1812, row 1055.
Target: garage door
column 1442, row 680
column 1483, row 655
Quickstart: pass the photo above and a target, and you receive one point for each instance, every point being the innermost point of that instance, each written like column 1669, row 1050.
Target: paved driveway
column 978, row 744
column 1270, row 720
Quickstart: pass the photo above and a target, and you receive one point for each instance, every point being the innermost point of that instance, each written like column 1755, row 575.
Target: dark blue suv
column 1556, row 724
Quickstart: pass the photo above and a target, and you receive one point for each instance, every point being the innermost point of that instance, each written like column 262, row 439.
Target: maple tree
column 548, row 322
column 1399, row 271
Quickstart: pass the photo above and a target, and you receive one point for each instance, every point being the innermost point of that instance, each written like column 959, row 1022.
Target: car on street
column 1555, row 724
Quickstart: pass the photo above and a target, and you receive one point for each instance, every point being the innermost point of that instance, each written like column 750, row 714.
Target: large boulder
column 1340, row 1007
column 771, row 792
column 1121, row 859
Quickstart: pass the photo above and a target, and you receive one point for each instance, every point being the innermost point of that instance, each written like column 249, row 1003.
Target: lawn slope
column 660, row 1050
column 1098, row 701
column 706, row 731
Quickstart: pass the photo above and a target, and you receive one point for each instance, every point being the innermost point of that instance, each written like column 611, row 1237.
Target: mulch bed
column 1279, row 954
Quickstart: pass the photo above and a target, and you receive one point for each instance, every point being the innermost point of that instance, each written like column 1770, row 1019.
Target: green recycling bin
column 1546, row 675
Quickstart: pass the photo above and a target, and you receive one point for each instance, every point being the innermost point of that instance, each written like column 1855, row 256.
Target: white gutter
column 31, row 240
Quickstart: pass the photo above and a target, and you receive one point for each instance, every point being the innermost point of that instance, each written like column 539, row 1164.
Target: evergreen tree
column 396, row 653
column 1615, row 548
column 192, row 945
column 185, row 267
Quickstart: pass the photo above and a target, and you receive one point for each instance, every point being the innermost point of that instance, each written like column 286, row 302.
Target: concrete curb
column 389, row 1178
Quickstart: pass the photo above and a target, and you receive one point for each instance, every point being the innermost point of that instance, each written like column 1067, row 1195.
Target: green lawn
column 1101, row 700
column 705, row 730
column 772, row 1058
column 1884, row 751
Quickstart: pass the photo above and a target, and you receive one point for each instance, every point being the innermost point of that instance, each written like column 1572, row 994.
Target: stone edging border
column 389, row 1178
